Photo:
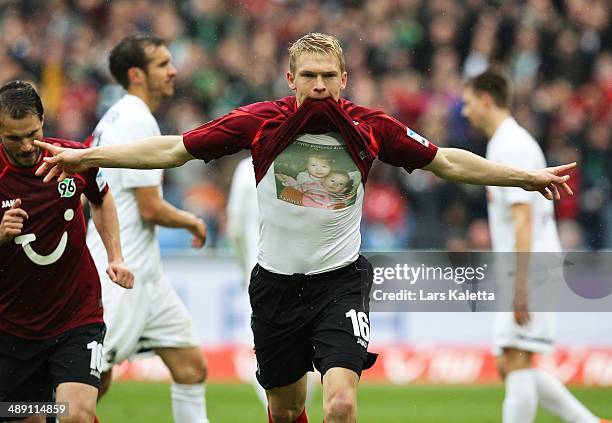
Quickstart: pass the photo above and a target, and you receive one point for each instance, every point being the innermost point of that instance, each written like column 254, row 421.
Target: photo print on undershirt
column 316, row 175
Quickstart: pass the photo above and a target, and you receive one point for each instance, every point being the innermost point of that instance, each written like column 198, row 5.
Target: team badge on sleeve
column 417, row 137
column 100, row 180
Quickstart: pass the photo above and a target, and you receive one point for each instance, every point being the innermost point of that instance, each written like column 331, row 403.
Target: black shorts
column 300, row 320
column 31, row 370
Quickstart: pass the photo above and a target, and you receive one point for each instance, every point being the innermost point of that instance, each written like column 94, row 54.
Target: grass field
column 130, row 402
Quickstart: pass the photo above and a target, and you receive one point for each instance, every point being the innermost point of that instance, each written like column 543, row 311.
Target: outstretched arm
column 462, row 166
column 158, row 152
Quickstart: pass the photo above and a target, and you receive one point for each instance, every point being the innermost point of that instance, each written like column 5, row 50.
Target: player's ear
column 290, row 80
column 488, row 99
column 135, row 75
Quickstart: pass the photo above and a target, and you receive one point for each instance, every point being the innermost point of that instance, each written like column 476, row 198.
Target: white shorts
column 151, row 315
column 537, row 336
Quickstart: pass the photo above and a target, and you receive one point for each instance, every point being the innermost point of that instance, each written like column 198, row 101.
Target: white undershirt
column 304, row 239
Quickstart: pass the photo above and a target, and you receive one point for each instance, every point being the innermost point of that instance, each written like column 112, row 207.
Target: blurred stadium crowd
column 408, row 57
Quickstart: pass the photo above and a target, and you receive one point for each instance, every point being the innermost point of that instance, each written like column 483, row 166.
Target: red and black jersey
column 48, row 281
column 268, row 127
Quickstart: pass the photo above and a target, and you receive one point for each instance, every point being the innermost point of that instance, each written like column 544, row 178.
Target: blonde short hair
column 316, row 42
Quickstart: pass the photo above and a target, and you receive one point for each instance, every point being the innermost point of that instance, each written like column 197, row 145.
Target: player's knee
column 201, row 371
column 341, row 407
column 512, row 360
column 285, row 414
column 191, row 372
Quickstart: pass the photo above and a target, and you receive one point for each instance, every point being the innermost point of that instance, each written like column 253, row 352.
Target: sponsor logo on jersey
column 66, row 188
column 8, row 203
column 44, row 260
column 417, row 137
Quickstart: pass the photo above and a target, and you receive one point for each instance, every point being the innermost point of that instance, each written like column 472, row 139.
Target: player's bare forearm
column 169, row 216
column 150, row 153
column 165, row 214
column 105, row 219
column 154, row 209
column 462, row 166
column 521, row 219
column 159, row 152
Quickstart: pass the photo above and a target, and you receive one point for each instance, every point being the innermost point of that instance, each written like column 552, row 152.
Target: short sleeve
column 139, row 178
column 96, row 186
column 401, row 146
column 223, row 136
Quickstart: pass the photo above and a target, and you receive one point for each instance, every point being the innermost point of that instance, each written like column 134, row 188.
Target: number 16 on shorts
column 95, row 363
column 361, row 326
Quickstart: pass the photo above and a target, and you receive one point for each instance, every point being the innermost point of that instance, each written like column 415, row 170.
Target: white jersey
column 318, row 217
column 128, row 120
column 243, row 215
column 513, row 146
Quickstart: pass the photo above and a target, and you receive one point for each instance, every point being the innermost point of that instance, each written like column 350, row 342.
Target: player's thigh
column 106, row 380
column 282, row 330
column 125, row 315
column 77, row 358
column 24, row 371
column 535, row 337
column 168, row 322
column 187, row 365
column 342, row 333
column 81, row 399
column 288, row 398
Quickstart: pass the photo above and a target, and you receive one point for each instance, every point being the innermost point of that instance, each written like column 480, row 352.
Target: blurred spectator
column 406, row 56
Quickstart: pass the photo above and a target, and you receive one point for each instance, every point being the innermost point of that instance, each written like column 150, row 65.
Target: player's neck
column 143, row 94
column 496, row 117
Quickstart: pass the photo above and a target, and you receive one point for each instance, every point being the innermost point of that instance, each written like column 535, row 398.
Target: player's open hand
column 547, row 181
column 65, row 161
column 12, row 222
column 199, row 233
column 118, row 272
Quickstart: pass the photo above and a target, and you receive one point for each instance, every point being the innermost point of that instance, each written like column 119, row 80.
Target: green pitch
column 150, row 403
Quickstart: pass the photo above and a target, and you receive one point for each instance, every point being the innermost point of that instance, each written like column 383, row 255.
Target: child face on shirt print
column 318, row 166
column 319, row 176
column 336, row 182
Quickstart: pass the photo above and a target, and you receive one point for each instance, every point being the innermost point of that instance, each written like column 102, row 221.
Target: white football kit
column 150, row 315
column 513, row 146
